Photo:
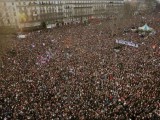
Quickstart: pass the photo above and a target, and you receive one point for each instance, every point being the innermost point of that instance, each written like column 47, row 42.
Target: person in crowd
column 73, row 73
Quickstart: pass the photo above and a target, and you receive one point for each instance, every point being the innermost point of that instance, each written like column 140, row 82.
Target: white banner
column 127, row 43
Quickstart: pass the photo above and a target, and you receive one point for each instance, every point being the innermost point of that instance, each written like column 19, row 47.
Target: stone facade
column 30, row 13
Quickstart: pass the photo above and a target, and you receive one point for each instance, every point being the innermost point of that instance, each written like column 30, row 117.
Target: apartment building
column 8, row 13
column 30, row 13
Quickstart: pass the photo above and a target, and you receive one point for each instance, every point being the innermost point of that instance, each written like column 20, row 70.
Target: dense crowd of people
column 79, row 72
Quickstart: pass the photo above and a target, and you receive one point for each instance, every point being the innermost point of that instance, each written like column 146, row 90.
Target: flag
column 45, row 58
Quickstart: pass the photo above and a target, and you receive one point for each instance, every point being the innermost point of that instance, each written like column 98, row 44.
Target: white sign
column 127, row 43
column 49, row 26
column 21, row 36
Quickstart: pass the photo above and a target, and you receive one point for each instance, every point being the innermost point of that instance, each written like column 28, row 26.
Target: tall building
column 30, row 13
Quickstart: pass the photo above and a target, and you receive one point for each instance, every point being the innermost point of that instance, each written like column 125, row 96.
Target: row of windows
column 65, row 7
column 53, row 16
column 35, row 13
column 43, row 11
column 8, row 21
column 34, row 8
column 6, row 4
column 42, row 17
column 83, row 6
column 57, row 2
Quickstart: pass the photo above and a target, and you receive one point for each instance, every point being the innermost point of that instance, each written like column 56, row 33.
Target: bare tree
column 120, row 17
column 129, row 9
column 150, row 4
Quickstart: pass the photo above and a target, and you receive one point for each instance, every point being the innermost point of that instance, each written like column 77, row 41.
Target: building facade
column 30, row 13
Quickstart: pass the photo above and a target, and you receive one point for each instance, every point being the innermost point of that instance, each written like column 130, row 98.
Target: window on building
column 13, row 9
column 7, row 14
column 2, row 22
column 4, row 4
column 8, row 21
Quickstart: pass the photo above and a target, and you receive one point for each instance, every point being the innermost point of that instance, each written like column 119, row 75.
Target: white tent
column 145, row 28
